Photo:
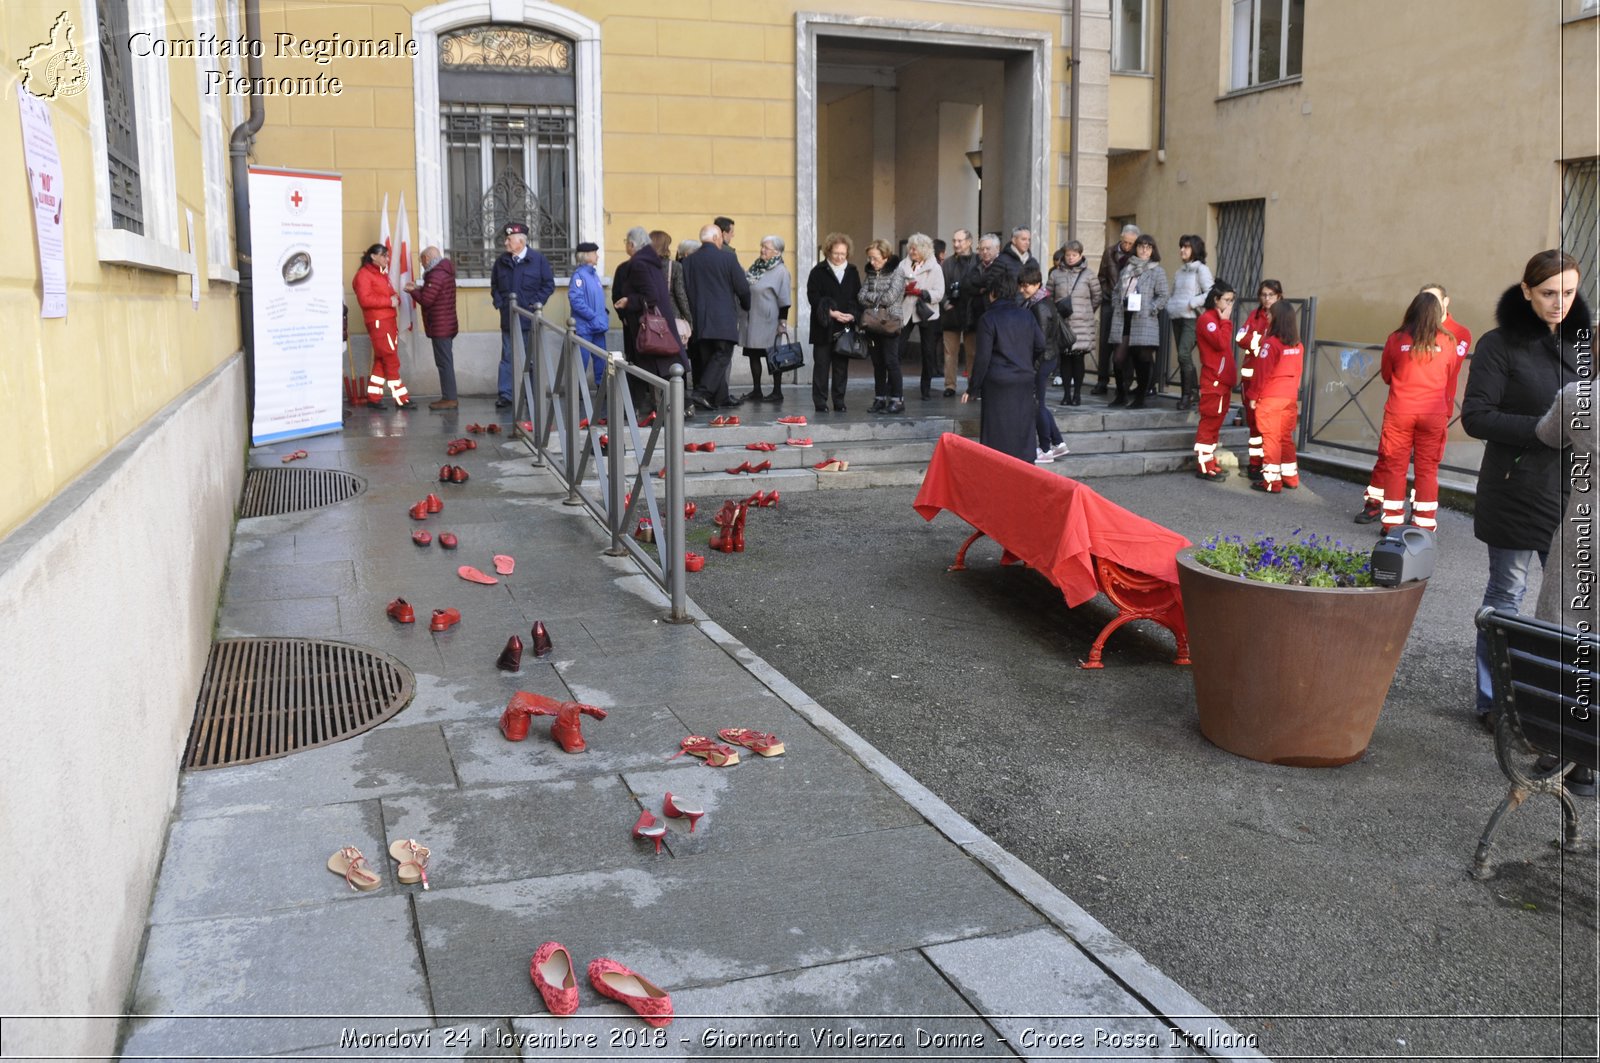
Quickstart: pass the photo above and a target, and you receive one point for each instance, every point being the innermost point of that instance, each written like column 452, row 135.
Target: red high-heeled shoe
column 648, row 419
column 744, row 467
column 419, row 511
column 458, row 475
column 648, row 827
column 551, row 971
column 567, row 731
column 770, row 501
column 738, row 528
column 763, row 467
column 541, row 640
column 673, row 810
column 444, row 474
column 511, row 657
column 651, row 1003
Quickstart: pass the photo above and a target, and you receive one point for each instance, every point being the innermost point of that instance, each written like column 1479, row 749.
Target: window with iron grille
column 1267, row 39
column 508, row 121
column 121, row 115
column 1580, row 238
column 1241, row 231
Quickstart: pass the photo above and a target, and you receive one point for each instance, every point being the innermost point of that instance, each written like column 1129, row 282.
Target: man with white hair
column 717, row 290
column 1017, row 254
column 525, row 273
column 1111, row 262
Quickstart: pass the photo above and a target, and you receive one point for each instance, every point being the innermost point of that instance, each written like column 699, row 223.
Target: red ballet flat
column 552, row 974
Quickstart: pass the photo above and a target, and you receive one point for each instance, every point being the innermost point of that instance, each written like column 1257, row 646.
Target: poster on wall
column 45, row 186
column 295, row 219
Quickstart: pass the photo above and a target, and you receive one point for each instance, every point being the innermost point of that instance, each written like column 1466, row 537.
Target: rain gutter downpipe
column 1075, row 66
column 239, row 161
column 1161, row 120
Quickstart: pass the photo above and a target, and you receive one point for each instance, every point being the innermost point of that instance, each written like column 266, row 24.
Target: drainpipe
column 238, row 153
column 1074, row 65
column 1161, row 120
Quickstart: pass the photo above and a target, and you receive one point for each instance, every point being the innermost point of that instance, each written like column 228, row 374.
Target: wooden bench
column 1081, row 542
column 1545, row 679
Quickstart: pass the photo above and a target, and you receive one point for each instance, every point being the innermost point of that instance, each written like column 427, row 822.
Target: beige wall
column 1379, row 173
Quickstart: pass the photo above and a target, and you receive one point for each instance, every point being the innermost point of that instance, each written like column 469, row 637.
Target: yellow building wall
column 131, row 341
column 1580, row 83
column 1387, row 166
column 1133, row 116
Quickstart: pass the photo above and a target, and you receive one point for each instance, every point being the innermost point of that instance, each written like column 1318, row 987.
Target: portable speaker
column 1402, row 556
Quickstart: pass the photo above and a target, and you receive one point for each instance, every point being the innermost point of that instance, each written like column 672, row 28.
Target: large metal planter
column 1292, row 675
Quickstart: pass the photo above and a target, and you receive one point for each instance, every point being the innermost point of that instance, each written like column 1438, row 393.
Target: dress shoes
column 541, row 640
column 401, row 612
column 444, row 618
column 458, row 475
column 443, row 404
column 376, row 404
column 897, row 406
column 511, row 657
column 501, row 404
column 701, row 402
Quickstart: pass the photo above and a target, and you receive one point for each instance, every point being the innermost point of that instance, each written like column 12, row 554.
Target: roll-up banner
column 295, row 220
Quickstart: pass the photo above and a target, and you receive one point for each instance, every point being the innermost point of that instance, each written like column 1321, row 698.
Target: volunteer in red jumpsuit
column 378, row 302
column 1372, row 503
column 1250, row 339
column 1277, row 380
column 1217, row 377
column 1421, row 374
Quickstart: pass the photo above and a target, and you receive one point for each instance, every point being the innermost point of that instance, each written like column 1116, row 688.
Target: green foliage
column 1313, row 561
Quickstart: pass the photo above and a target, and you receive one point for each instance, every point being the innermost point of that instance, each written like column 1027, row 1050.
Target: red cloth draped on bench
column 1079, row 541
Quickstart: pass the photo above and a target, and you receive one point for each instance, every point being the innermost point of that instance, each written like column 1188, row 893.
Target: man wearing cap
column 588, row 301
column 525, row 273
column 718, row 290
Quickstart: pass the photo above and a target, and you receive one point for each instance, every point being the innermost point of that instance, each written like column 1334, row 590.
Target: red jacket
column 1462, row 334
column 1217, row 371
column 374, row 294
column 437, row 297
column 1251, row 339
column 1421, row 385
column 1278, row 370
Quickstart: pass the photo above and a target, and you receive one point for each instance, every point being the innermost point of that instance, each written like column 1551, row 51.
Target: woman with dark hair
column 1277, row 402
column 1191, row 282
column 1542, row 343
column 1076, row 291
column 1057, row 340
column 832, row 288
column 1010, row 344
column 1217, row 376
column 1136, row 320
column 883, row 289
column 379, row 302
column 1420, row 364
column 1250, row 338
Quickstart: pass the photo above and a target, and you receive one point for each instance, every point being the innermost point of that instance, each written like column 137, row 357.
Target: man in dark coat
column 1111, row 262
column 436, row 295
column 955, row 316
column 1016, row 253
column 1010, row 344
column 525, row 273
column 718, row 290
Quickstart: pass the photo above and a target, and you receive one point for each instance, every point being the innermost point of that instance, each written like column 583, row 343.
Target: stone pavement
column 827, row 905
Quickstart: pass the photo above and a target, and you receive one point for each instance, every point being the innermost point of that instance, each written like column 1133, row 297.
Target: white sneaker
column 1055, row 381
column 1043, row 457
column 1059, row 451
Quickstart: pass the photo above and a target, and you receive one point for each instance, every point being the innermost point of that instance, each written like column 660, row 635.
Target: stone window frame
column 213, row 154
column 158, row 248
column 426, row 27
column 1143, row 37
column 1243, row 74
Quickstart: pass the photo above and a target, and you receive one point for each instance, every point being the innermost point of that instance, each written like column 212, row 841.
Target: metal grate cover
column 265, row 698
column 269, row 492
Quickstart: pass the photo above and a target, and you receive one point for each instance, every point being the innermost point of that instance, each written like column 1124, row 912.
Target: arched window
column 508, row 126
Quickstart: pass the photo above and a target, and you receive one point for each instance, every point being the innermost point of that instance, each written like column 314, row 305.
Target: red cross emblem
column 296, row 198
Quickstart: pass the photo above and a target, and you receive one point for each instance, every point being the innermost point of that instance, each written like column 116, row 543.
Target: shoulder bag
column 851, row 344
column 655, row 337
column 785, row 353
column 881, row 320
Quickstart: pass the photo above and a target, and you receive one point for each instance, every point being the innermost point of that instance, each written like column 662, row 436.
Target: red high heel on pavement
column 552, row 974
column 567, row 731
column 763, row 467
column 419, row 511
column 444, row 474
column 541, row 640
column 401, row 612
column 673, row 810
column 648, row 419
column 770, row 501
column 511, row 657
column 433, row 503
column 647, row 826
column 714, row 755
column 649, row 1002
column 458, row 475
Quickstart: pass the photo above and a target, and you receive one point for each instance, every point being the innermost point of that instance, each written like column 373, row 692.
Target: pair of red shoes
column 795, row 419
column 764, row 447
column 452, row 474
column 511, row 659
column 447, row 540
column 724, row 422
column 456, row 446
column 647, row 826
column 553, row 976
column 600, row 422
column 729, row 536
column 706, row 448
column 747, row 467
column 431, row 504
column 566, row 731
column 475, row 428
column 401, row 612
column 763, row 499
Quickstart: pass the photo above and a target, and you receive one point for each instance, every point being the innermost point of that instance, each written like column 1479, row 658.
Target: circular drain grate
column 265, row 698
column 269, row 492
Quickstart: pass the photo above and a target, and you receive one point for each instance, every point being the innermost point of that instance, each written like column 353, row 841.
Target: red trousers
column 385, row 359
column 1213, row 407
column 1405, row 435
column 1254, row 427
column 1275, row 420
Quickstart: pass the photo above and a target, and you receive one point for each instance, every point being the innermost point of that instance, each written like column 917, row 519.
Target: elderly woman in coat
column 924, row 287
column 771, row 294
column 1136, row 305
column 1076, row 291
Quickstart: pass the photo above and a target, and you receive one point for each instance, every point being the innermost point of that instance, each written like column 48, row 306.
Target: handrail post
column 616, row 405
column 570, row 441
column 676, row 586
column 533, row 378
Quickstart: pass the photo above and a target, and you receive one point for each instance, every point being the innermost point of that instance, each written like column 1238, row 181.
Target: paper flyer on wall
column 46, row 186
column 295, row 227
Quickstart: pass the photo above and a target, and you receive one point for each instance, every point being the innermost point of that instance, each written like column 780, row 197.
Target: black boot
column 1142, row 377
column 755, row 380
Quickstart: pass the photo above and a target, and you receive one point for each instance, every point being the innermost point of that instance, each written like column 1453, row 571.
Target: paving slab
column 244, row 617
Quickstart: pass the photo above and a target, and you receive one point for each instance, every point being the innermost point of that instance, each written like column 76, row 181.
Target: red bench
column 1079, row 541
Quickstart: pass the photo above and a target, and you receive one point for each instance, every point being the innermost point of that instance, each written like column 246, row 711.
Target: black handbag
column 785, row 354
column 924, row 308
column 851, row 344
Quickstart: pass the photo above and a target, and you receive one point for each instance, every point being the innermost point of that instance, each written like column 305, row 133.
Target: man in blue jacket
column 717, row 288
column 525, row 273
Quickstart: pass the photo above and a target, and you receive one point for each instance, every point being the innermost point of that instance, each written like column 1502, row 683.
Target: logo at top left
column 55, row 68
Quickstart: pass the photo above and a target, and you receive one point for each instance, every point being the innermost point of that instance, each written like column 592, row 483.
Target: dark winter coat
column 718, row 289
column 1010, row 344
column 1517, row 371
column 644, row 283
column 960, row 271
column 825, row 293
column 437, row 297
column 1012, row 262
column 530, row 280
column 1058, row 338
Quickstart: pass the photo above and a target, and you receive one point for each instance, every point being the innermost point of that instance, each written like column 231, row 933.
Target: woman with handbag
column 1136, row 307
column 770, row 296
column 883, row 290
column 924, row 286
column 832, row 289
column 645, row 303
column 1076, row 291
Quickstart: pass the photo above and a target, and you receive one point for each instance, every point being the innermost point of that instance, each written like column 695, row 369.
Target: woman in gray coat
column 1076, row 291
column 771, row 294
column 1191, row 283
column 1136, row 306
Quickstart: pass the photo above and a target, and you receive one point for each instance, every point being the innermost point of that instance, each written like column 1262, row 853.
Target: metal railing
column 557, row 399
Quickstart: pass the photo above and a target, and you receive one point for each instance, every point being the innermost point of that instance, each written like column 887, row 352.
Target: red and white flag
column 400, row 270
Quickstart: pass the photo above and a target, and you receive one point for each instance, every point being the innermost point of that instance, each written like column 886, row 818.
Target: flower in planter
column 1312, row 561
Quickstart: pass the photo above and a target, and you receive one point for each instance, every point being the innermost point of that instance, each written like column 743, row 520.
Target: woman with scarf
column 1136, row 306
column 771, row 294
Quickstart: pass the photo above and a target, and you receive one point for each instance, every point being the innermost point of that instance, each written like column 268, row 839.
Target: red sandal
column 714, row 755
column 765, row 744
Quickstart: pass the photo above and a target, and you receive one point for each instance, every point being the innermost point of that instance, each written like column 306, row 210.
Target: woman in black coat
column 644, row 284
column 1517, row 371
column 833, row 289
column 1009, row 345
